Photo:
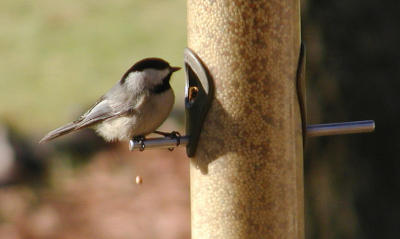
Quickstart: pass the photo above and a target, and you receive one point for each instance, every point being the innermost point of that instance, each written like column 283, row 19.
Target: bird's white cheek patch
column 135, row 81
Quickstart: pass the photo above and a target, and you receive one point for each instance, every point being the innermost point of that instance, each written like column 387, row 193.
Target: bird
column 133, row 108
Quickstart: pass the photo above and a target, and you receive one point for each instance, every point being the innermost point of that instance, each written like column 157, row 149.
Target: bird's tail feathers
column 65, row 129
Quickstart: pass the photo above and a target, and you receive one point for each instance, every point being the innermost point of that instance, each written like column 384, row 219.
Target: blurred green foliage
column 58, row 57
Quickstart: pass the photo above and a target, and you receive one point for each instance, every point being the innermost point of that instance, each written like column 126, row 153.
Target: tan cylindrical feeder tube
column 247, row 175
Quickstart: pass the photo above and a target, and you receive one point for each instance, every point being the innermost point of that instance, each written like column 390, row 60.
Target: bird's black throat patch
column 164, row 86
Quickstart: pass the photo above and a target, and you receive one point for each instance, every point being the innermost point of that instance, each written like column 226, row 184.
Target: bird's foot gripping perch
column 169, row 141
column 173, row 135
column 140, row 140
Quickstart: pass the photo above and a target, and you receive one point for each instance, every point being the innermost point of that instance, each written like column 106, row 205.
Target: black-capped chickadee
column 136, row 106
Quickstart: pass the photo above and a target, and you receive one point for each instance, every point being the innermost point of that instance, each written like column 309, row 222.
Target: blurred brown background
column 58, row 57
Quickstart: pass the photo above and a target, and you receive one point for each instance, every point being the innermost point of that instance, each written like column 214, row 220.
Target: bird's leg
column 173, row 135
column 140, row 139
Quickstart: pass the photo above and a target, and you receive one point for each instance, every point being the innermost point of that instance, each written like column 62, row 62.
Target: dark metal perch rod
column 313, row 130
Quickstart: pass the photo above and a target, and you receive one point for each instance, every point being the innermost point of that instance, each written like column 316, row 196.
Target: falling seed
column 139, row 180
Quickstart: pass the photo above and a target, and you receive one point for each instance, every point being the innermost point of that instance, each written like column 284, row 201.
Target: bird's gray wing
column 112, row 105
column 103, row 110
column 108, row 106
column 100, row 111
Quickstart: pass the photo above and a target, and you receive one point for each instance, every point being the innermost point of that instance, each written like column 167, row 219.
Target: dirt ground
column 102, row 200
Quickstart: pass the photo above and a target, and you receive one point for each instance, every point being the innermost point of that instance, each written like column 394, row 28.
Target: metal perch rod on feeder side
column 313, row 130
column 353, row 127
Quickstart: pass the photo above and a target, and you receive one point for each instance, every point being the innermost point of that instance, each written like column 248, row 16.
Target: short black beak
column 175, row 68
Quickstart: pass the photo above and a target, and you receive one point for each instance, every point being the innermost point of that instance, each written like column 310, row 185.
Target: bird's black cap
column 155, row 63
column 147, row 63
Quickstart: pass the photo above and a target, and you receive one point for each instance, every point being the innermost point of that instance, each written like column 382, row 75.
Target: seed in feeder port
column 139, row 180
